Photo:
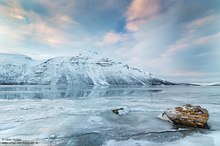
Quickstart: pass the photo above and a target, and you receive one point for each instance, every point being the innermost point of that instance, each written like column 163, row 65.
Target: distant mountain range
column 83, row 68
column 207, row 84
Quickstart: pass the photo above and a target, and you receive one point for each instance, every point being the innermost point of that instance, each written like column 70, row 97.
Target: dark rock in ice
column 121, row 111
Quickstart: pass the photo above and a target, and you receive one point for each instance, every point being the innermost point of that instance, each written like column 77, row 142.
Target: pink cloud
column 65, row 19
column 12, row 11
column 47, row 34
column 39, row 29
column 141, row 12
column 112, row 38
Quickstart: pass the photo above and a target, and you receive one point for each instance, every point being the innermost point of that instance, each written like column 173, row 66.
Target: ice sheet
column 61, row 115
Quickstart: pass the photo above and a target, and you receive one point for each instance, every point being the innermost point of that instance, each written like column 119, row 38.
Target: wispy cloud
column 201, row 21
column 207, row 39
column 44, row 33
column 189, row 42
column 12, row 10
column 41, row 29
column 140, row 12
column 113, row 38
column 190, row 39
column 186, row 42
column 64, row 19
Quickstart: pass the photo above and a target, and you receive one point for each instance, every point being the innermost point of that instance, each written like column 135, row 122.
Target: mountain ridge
column 84, row 68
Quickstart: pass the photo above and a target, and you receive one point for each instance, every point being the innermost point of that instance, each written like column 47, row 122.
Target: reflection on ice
column 53, row 92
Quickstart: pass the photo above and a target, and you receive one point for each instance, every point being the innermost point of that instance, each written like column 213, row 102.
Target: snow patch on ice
column 95, row 119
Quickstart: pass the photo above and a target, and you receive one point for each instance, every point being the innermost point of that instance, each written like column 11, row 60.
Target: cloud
column 201, row 21
column 179, row 45
column 168, row 40
column 141, row 12
column 113, row 38
column 163, row 37
column 65, row 19
column 207, row 39
column 189, row 42
column 194, row 35
column 44, row 33
column 41, row 29
column 12, row 11
column 18, row 16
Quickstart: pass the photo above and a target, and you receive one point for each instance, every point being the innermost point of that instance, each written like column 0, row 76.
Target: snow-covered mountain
column 83, row 68
column 13, row 67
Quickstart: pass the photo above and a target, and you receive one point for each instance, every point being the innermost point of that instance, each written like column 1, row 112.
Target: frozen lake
column 81, row 116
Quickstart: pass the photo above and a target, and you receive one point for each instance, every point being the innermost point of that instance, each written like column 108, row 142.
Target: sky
column 177, row 40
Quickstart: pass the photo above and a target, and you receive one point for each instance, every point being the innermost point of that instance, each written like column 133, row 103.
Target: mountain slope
column 84, row 68
column 13, row 66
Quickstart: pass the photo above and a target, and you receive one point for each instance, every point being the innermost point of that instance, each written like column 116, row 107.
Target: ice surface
column 192, row 140
column 68, row 115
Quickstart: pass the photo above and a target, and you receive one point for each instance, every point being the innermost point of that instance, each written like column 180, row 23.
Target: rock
column 121, row 111
column 188, row 115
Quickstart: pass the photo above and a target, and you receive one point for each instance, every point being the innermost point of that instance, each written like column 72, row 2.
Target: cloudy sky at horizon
column 176, row 40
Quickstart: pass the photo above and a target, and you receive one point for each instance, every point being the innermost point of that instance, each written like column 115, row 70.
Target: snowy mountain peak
column 14, row 58
column 85, row 52
column 6, row 55
column 14, row 66
column 83, row 68
column 83, row 57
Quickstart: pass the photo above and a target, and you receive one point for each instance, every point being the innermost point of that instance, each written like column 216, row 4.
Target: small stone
column 121, row 111
column 188, row 115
